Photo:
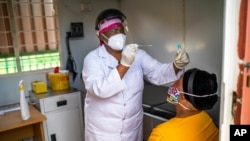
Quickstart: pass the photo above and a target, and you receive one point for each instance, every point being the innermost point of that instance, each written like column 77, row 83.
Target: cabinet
column 64, row 115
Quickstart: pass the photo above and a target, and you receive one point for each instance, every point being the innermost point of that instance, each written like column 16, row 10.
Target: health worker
column 114, row 74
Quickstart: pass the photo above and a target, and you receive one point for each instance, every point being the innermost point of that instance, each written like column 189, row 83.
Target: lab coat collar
column 107, row 58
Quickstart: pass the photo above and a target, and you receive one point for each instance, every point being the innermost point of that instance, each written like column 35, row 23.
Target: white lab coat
column 113, row 106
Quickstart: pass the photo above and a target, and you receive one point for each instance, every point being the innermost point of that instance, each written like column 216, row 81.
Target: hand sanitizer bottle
column 25, row 112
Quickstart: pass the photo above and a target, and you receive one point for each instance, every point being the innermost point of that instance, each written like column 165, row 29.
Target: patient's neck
column 182, row 112
column 186, row 113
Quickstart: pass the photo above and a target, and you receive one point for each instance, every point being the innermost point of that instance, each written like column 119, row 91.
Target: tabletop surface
column 11, row 120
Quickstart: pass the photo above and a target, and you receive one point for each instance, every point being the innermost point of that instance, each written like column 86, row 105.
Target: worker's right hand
column 181, row 59
column 128, row 54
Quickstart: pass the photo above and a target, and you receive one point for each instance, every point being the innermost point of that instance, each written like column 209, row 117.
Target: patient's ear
column 182, row 97
column 180, row 83
column 184, row 101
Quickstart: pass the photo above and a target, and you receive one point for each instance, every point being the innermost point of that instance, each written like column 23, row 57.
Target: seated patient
column 193, row 93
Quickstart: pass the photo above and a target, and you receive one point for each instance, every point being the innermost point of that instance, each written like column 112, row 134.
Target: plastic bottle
column 25, row 112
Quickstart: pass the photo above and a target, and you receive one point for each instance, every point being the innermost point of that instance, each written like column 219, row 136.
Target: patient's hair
column 200, row 82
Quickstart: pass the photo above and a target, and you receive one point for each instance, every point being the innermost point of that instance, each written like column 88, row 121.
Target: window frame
column 15, row 40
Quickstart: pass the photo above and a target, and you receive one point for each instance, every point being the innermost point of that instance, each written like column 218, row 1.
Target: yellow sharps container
column 59, row 81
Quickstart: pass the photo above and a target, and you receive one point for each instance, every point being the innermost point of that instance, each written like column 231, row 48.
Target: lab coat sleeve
column 98, row 80
column 156, row 72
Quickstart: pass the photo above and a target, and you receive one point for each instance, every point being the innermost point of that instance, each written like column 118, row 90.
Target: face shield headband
column 109, row 24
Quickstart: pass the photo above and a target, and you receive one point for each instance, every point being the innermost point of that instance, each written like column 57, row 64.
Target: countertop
column 13, row 128
column 51, row 93
column 34, row 99
column 13, row 119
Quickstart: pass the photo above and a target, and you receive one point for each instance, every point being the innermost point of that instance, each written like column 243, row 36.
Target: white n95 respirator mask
column 116, row 42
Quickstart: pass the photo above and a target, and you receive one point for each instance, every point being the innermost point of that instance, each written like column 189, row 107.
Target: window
column 28, row 36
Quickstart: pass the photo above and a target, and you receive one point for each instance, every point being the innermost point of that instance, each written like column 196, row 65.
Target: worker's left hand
column 128, row 54
column 181, row 59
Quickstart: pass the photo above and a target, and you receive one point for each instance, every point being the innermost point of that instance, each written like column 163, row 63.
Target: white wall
column 9, row 89
column 160, row 23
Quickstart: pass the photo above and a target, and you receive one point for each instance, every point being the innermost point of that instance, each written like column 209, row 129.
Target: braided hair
column 200, row 82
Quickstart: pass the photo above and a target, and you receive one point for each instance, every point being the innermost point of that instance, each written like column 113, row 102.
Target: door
column 64, row 125
column 245, row 112
column 242, row 99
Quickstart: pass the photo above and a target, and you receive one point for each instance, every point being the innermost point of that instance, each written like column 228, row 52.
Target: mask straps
column 105, row 36
column 183, row 106
column 192, row 95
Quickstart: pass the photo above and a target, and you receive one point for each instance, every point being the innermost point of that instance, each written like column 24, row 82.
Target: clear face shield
column 130, row 39
column 111, row 24
column 128, row 33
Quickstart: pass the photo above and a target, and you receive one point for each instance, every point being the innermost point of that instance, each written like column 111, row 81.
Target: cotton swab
column 144, row 45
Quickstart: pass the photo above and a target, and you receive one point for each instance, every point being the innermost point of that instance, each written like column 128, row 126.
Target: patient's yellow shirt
column 198, row 127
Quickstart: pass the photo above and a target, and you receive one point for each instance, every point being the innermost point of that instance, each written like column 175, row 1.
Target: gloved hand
column 181, row 59
column 128, row 54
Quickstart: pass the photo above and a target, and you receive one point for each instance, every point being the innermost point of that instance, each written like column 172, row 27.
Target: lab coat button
column 124, row 104
column 121, row 132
